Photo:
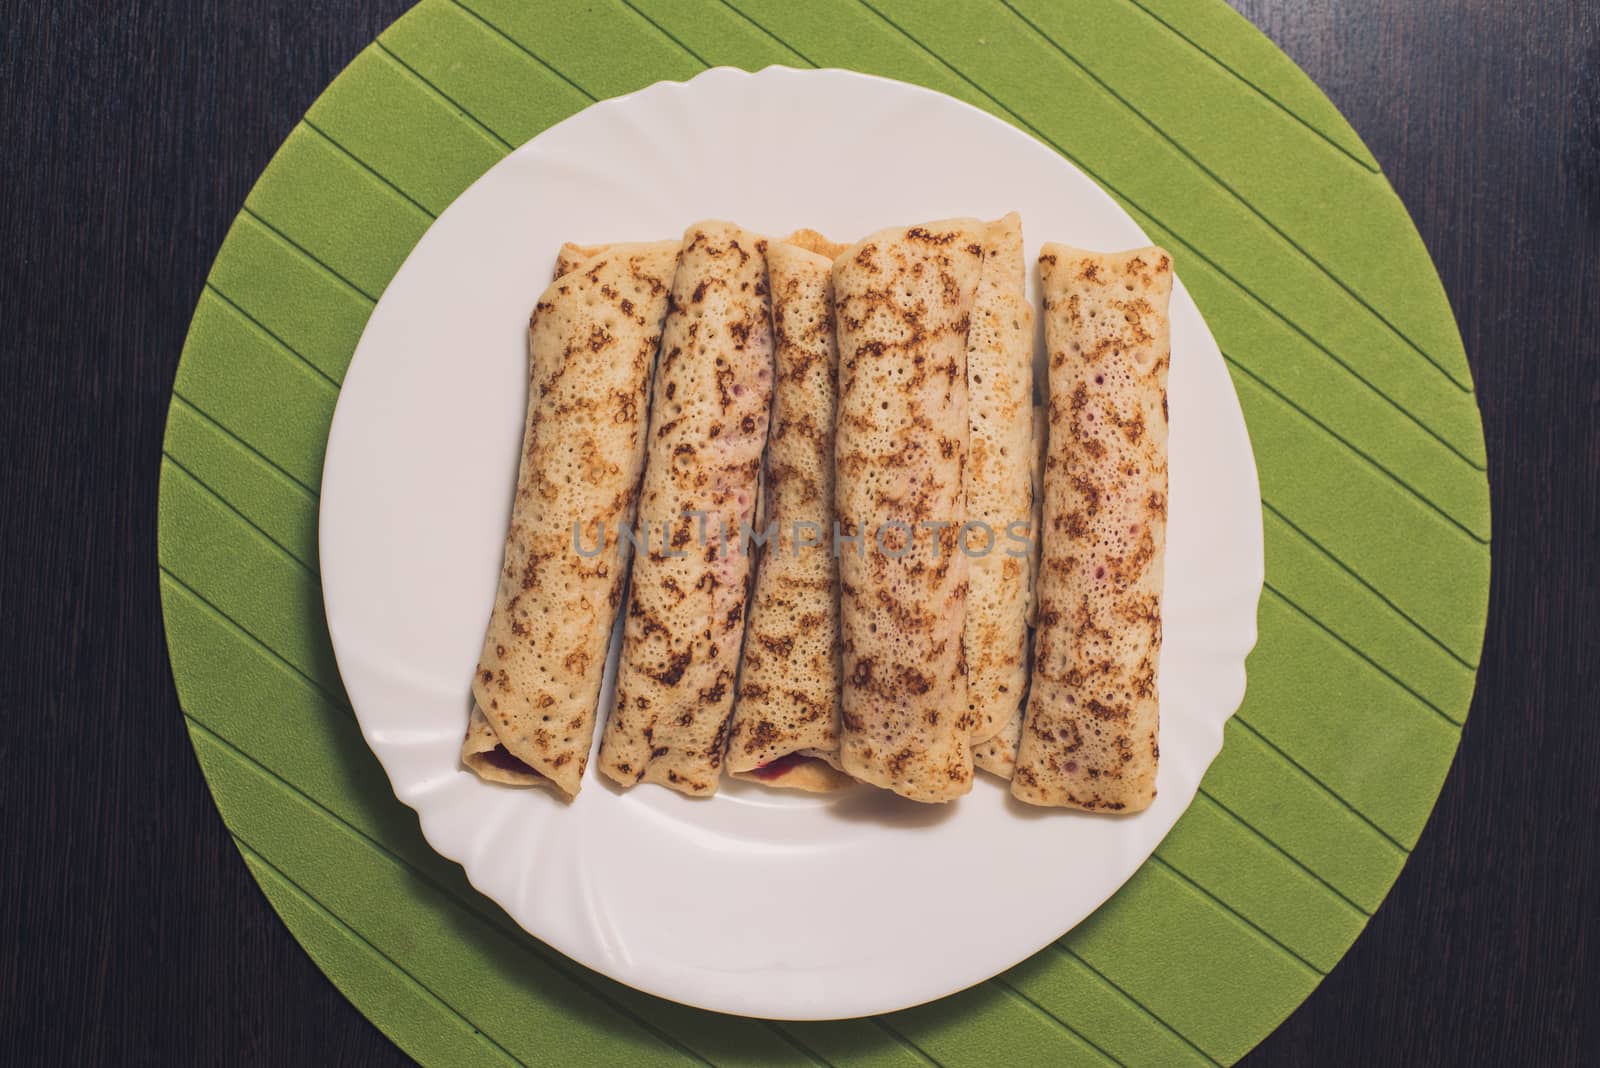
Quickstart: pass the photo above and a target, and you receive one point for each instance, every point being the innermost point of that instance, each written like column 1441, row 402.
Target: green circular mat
column 1353, row 382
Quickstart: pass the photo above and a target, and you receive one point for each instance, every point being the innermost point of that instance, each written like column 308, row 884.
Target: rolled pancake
column 998, row 755
column 483, row 753
column 903, row 304
column 999, row 487
column 573, row 254
column 592, row 342
column 686, row 601
column 1089, row 739
column 812, row 241
column 786, row 720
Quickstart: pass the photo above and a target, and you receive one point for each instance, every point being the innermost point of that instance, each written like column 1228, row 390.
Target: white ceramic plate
column 758, row 902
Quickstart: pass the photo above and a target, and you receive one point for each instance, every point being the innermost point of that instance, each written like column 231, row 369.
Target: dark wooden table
column 130, row 932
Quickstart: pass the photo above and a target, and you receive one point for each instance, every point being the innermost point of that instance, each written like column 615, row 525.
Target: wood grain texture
column 1486, row 118
column 132, row 907
column 134, row 932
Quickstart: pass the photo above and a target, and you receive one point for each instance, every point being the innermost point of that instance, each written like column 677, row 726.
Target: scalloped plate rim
column 586, row 942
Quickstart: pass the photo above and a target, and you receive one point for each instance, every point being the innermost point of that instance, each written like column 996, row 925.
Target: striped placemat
column 1346, row 360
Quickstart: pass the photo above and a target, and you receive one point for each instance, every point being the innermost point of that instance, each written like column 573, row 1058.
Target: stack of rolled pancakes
column 855, row 549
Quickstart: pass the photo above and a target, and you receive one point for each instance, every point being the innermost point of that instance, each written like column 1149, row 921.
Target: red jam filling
column 501, row 758
column 774, row 769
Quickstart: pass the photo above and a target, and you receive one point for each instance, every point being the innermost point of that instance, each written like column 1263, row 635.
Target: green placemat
column 1347, row 362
